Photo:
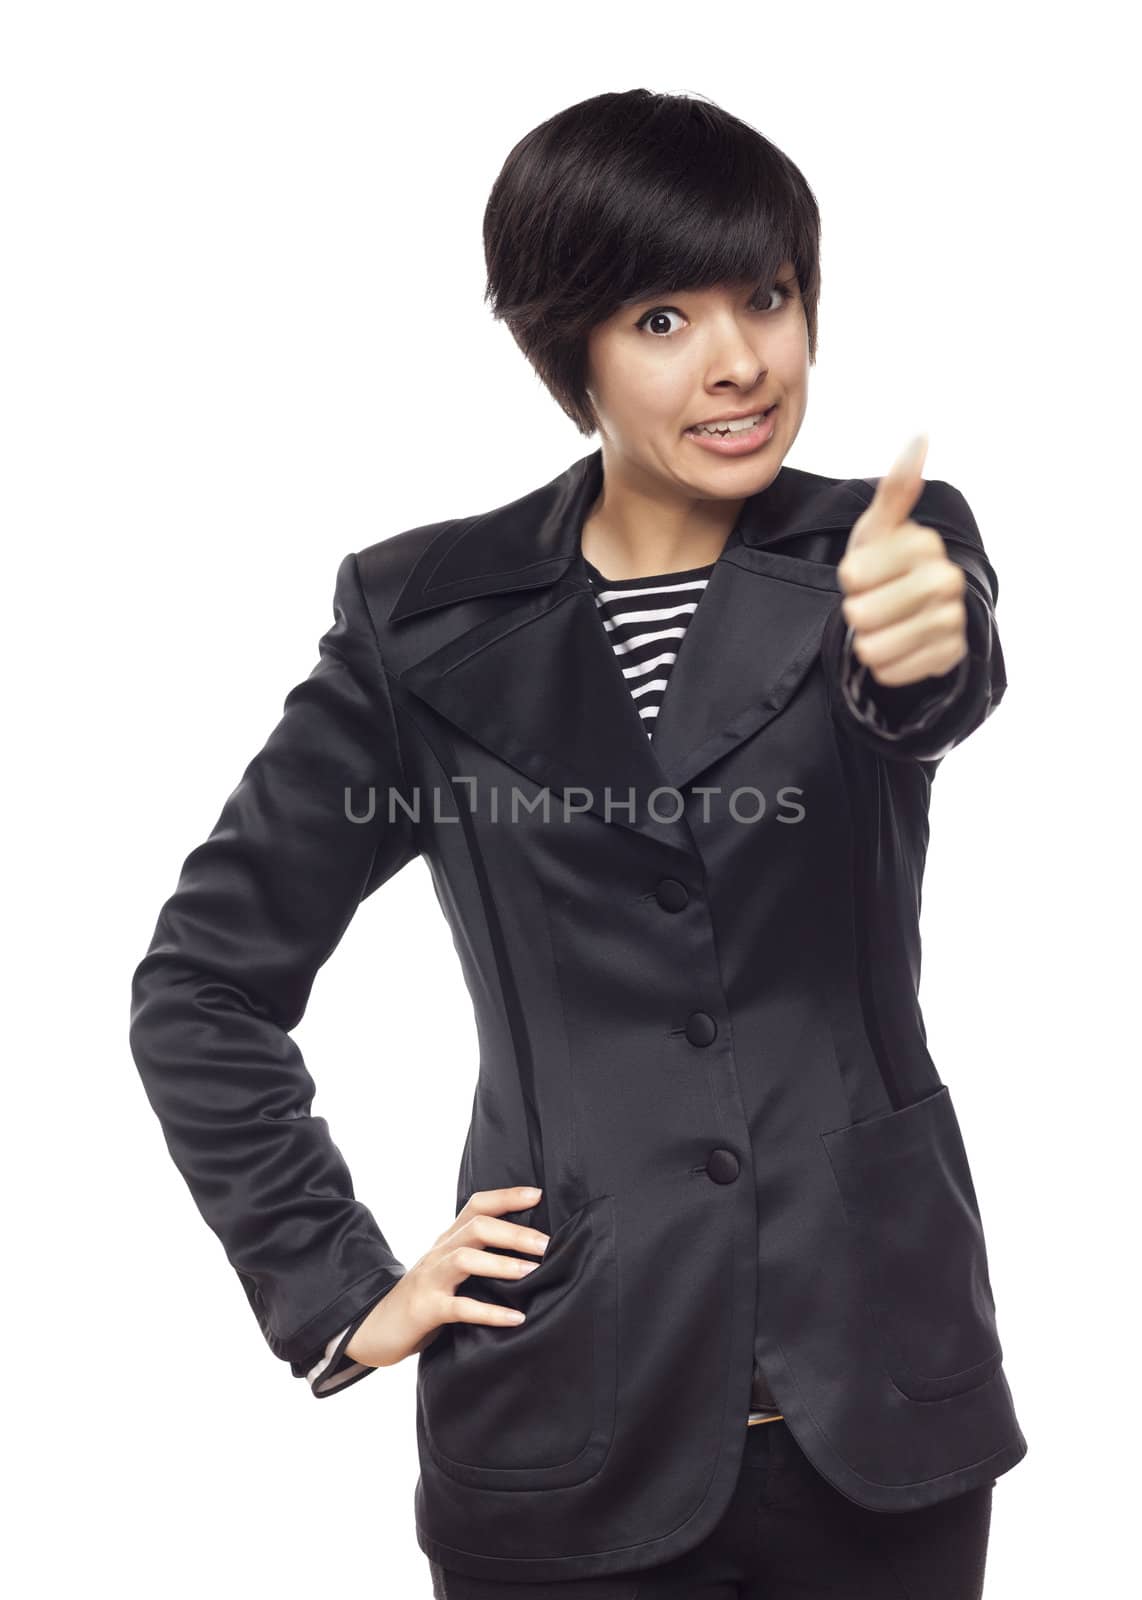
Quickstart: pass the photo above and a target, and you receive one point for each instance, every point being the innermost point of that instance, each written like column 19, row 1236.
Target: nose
column 738, row 365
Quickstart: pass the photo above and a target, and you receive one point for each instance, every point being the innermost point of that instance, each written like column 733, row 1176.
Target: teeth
column 741, row 425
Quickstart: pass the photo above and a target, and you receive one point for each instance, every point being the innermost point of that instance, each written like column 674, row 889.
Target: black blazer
column 695, row 988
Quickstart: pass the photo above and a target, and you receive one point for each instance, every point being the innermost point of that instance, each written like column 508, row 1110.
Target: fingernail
column 532, row 1194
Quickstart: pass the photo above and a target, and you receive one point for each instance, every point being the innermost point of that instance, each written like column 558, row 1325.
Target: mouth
column 735, row 437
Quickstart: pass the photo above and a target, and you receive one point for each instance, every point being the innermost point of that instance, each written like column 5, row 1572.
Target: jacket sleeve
column 925, row 720
column 258, row 908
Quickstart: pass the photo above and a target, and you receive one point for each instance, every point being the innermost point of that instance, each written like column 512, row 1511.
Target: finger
column 933, row 640
column 462, row 1308
column 481, row 1231
column 914, row 547
column 493, row 1202
column 896, row 495
column 892, row 594
column 468, row 1262
column 931, row 662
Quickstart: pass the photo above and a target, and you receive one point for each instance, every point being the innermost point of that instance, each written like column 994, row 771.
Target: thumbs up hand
column 903, row 594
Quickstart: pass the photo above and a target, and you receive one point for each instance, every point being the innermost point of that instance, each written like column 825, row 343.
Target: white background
column 242, row 335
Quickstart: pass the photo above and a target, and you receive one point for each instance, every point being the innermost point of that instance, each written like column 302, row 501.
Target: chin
column 730, row 477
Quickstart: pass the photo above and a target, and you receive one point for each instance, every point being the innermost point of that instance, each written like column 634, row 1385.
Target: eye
column 659, row 311
column 784, row 287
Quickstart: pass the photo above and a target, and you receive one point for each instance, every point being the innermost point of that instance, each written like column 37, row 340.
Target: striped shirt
column 646, row 620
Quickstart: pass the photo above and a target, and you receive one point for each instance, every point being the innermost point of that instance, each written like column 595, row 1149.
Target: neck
column 640, row 529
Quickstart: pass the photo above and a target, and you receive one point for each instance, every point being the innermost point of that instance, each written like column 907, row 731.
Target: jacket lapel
column 753, row 637
column 543, row 690
column 534, row 679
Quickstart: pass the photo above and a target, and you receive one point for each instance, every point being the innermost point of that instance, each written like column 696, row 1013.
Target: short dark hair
column 627, row 196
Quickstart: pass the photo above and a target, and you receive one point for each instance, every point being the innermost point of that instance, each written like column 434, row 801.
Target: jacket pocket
column 907, row 1192
column 530, row 1406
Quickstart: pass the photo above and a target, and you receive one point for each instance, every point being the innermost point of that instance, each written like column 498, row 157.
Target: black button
column 701, row 1028
column 723, row 1166
column 672, row 895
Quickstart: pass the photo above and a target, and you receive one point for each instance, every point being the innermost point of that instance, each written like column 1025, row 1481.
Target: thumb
column 896, row 494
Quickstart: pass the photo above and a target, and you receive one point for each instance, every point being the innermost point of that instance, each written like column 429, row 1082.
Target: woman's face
column 657, row 367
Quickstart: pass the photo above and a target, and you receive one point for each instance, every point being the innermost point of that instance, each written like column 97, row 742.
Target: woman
column 757, row 1353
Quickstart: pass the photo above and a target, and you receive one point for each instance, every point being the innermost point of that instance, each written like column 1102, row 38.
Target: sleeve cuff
column 898, row 711
column 335, row 1370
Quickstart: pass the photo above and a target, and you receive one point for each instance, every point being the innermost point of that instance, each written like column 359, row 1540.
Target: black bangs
column 628, row 197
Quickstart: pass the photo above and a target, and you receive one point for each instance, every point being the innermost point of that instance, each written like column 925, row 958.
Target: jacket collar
column 533, row 541
column 538, row 683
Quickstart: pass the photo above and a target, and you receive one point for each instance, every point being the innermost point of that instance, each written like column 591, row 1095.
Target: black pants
column 787, row 1534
